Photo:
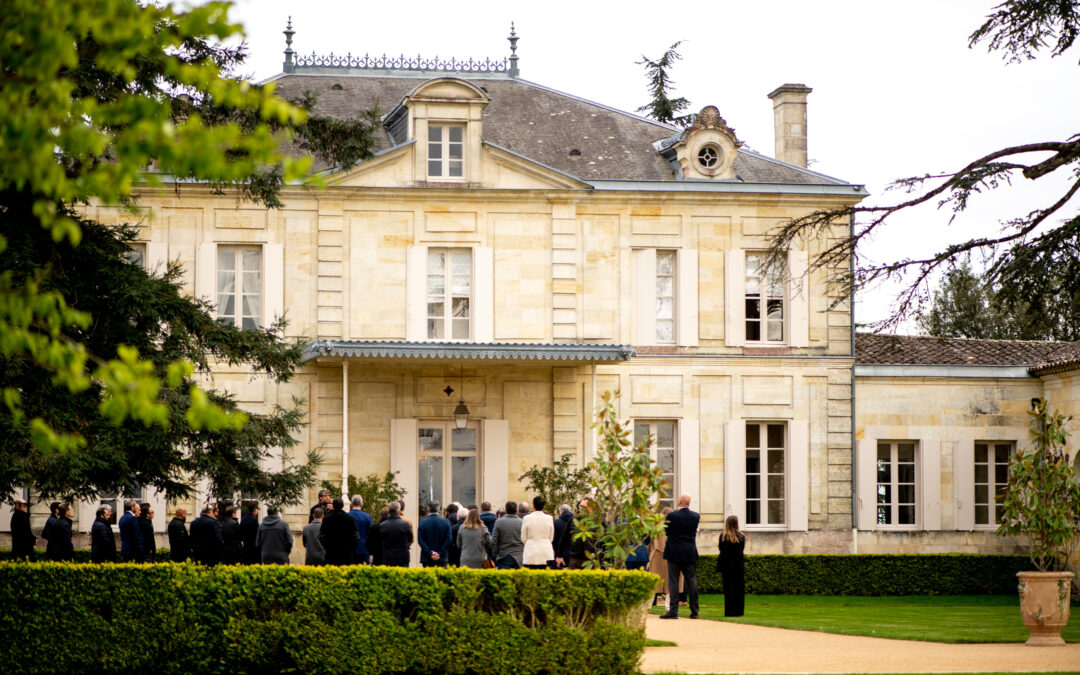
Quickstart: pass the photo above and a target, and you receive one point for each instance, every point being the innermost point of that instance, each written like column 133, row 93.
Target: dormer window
column 446, row 152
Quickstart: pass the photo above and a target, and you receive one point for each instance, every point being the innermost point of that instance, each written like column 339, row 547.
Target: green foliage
column 625, row 480
column 963, row 307
column 95, row 92
column 146, row 324
column 377, row 491
column 1022, row 28
column 82, row 555
column 274, row 619
column 662, row 107
column 558, row 484
column 1042, row 497
column 872, row 574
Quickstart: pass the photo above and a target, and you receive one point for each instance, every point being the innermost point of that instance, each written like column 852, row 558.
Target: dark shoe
column 669, row 616
column 694, row 615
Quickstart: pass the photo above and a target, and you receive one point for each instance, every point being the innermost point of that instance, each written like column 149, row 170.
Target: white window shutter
column 964, row 484
column 495, row 462
column 734, row 299
column 799, row 476
column 206, row 273
column 866, row 485
column 689, row 454
column 687, row 299
column 157, row 258
column 416, row 293
column 273, row 301
column 403, row 460
column 483, row 294
column 930, row 484
column 644, row 310
column 735, row 469
column 798, row 299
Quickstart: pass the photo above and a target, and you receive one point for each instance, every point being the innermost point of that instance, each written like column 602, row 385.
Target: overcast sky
column 897, row 91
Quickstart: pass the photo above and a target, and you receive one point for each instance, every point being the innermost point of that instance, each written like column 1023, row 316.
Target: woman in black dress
column 732, row 565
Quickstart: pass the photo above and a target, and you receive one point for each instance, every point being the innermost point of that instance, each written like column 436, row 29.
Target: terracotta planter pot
column 1044, row 604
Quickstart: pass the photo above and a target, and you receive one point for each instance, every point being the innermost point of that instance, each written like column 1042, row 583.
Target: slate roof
column 543, row 125
column 928, row 350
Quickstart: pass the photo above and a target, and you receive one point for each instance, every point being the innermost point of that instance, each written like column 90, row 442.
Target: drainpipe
column 854, row 445
column 345, row 428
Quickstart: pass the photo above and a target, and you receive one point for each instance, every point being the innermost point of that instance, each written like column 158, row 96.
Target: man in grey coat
column 274, row 539
column 316, row 554
column 506, row 539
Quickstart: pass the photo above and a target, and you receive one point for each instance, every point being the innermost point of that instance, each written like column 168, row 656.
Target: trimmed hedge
column 76, row 618
column 872, row 574
column 82, row 555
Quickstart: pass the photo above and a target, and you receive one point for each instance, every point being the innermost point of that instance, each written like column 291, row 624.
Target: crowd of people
column 520, row 535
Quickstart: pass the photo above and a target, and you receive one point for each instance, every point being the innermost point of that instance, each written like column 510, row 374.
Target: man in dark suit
column 339, row 535
column 249, row 531
column 363, row 527
column 681, row 555
column 395, row 537
column 22, row 537
column 131, row 541
column 206, row 542
column 179, row 546
column 433, row 535
column 230, row 535
column 102, row 541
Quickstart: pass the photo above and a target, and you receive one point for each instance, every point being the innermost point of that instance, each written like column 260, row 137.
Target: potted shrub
column 1042, row 505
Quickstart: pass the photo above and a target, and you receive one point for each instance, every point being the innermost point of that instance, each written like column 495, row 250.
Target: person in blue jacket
column 433, row 535
column 363, row 526
column 131, row 540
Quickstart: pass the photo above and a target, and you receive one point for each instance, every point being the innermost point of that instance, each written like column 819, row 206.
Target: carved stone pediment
column 708, row 148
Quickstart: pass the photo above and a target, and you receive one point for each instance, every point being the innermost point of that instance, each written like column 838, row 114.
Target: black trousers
column 689, row 575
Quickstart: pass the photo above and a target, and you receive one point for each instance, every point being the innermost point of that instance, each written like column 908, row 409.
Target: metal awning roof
column 536, row 351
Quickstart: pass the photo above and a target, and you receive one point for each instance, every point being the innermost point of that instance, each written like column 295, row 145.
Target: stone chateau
column 511, row 251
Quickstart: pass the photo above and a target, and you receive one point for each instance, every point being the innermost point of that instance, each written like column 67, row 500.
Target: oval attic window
column 709, row 157
column 336, row 87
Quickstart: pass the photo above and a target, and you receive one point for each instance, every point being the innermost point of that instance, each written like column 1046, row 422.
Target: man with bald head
column 681, row 555
column 179, row 547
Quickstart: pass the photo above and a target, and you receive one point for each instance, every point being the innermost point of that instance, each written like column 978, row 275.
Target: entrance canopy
column 536, row 351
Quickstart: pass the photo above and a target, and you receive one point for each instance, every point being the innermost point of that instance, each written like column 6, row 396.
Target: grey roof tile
column 929, row 350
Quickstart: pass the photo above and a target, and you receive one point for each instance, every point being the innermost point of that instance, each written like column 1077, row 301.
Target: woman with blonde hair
column 473, row 539
column 732, row 565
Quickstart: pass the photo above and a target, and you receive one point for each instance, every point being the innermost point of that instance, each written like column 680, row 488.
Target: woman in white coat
column 537, row 533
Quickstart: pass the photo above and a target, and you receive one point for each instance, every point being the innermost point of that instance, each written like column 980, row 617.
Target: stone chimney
column 789, row 116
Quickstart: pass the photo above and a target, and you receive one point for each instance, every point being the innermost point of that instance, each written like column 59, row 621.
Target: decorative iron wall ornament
column 384, row 62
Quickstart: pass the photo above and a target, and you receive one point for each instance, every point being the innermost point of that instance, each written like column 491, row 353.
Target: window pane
column 776, row 512
column 776, row 461
column 461, row 329
column 460, row 264
column 905, row 473
column 753, row 260
column 664, row 287
column 136, row 255
column 776, row 310
column 435, row 152
column 226, row 282
column 776, row 435
column 455, row 152
column 665, row 459
column 776, row 487
column 753, row 436
column 884, row 494
column 753, row 461
column 753, row 487
column 982, row 494
column 1002, row 452
column 252, row 282
column 906, row 515
column 429, row 481
column 753, row 513
column 436, row 309
column 436, row 284
column 905, row 452
column 641, row 432
column 884, row 515
column 251, row 305
column 905, row 494
column 252, row 260
column 665, row 308
column 436, row 329
column 753, row 286
column 463, row 479
column 227, row 305
column 884, row 471
column 430, row 440
column 455, row 168
column 665, row 330
column 463, row 440
column 665, row 434
column 981, row 473
column 775, row 331
column 1001, row 474
column 436, row 263
column 434, row 168
column 775, row 289
column 434, row 132
column 980, row 452
column 459, row 285
column 226, row 259
column 665, row 263
column 999, row 512
column 461, row 307
column 456, row 134
column 982, row 514
column 753, row 331
column 249, row 323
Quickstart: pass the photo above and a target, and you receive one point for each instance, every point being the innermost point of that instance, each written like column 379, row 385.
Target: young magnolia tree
column 625, row 482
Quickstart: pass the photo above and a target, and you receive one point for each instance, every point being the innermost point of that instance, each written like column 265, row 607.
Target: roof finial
column 289, row 65
column 513, row 72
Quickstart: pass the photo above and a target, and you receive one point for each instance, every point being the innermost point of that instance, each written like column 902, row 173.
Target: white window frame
column 238, row 317
column 444, row 146
column 447, row 298
column 993, row 486
column 673, row 296
column 764, row 299
column 762, row 477
column 650, row 427
column 447, row 454
column 892, row 502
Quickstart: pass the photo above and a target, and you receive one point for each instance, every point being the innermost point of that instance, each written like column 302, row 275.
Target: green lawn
column 936, row 618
